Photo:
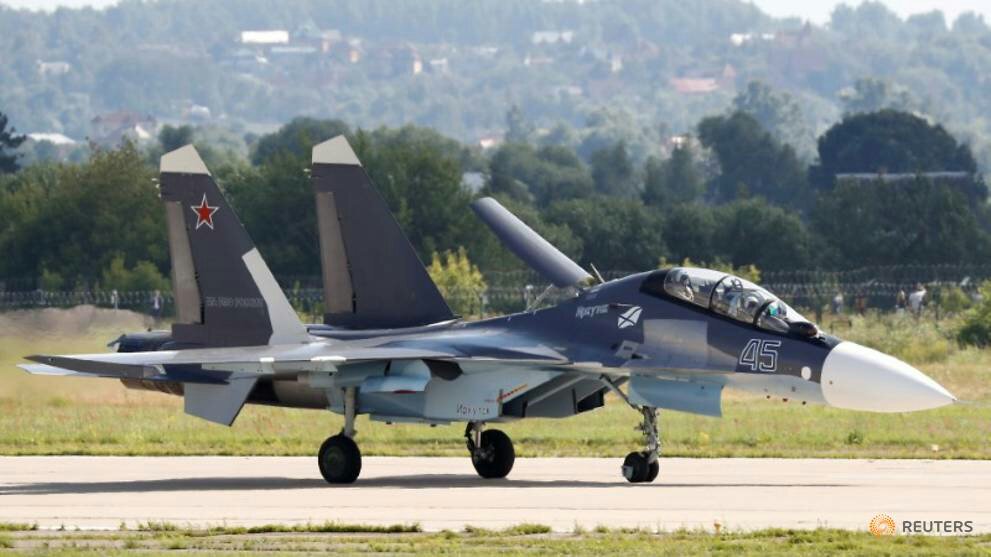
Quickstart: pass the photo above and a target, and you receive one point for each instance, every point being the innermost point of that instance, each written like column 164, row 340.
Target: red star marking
column 204, row 213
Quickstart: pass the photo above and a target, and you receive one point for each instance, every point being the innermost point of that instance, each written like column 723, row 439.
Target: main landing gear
column 641, row 466
column 339, row 457
column 492, row 452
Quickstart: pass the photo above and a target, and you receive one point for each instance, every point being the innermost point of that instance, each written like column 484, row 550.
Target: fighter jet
column 392, row 349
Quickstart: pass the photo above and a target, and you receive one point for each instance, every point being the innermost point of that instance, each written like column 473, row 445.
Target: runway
column 445, row 493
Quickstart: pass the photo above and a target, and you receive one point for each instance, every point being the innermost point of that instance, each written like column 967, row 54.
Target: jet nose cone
column 858, row 378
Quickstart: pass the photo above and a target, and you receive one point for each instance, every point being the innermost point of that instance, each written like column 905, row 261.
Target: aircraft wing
column 315, row 356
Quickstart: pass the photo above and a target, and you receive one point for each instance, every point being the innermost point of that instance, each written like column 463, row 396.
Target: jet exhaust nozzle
column 855, row 377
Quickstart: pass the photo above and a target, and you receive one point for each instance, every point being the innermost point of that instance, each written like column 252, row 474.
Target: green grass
column 52, row 416
column 17, row 526
column 774, row 542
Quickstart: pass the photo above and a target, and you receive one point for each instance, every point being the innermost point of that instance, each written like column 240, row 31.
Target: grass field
column 527, row 539
column 100, row 417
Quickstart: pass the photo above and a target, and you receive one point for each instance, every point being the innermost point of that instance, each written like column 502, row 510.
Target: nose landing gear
column 491, row 450
column 643, row 466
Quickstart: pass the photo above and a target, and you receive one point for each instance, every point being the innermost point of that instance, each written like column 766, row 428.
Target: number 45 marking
column 760, row 355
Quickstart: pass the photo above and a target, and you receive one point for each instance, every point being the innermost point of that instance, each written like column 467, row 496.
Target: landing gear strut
column 643, row 466
column 339, row 458
column 492, row 452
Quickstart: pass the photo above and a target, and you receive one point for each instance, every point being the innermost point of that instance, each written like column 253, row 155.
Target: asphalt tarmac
column 445, row 493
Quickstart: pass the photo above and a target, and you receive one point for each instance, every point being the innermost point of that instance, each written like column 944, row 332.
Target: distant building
column 52, row 68
column 196, row 112
column 354, row 51
column 704, row 85
column 292, row 51
column 567, row 91
column 485, row 51
column 537, row 61
column 695, row 85
column 323, row 40
column 111, row 128
column 387, row 62
column 552, row 37
column 945, row 175
column 439, row 65
column 740, row 39
column 53, row 138
column 265, row 38
column 615, row 63
column 490, row 141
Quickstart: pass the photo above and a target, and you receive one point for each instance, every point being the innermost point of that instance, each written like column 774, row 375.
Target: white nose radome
column 858, row 378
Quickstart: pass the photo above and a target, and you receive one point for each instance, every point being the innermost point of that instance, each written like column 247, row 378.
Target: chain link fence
column 508, row 291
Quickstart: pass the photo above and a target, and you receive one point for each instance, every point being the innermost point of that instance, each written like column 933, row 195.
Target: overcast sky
column 816, row 10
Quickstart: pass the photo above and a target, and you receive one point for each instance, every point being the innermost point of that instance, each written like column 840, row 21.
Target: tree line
column 732, row 193
column 615, row 79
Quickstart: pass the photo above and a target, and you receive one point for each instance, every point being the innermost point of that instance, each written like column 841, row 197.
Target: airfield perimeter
column 445, row 493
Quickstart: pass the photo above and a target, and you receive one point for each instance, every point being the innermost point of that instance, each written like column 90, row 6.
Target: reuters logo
column 882, row 525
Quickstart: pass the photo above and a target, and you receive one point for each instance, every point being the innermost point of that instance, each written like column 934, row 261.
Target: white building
column 265, row 37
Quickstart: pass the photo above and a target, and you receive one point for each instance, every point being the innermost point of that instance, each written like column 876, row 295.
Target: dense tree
column 752, row 162
column 9, row 141
column 753, row 232
column 892, row 142
column 689, row 232
column 275, row 201
column 174, row 137
column 546, row 174
column 899, row 223
column 613, row 171
column 297, row 138
column 777, row 112
column 76, row 219
column 676, row 179
column 871, row 95
column 616, row 233
column 518, row 128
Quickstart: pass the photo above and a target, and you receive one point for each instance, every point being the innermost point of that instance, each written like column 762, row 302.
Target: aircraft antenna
column 540, row 298
column 598, row 275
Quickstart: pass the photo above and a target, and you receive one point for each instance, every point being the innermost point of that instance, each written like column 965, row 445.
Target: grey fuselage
column 670, row 341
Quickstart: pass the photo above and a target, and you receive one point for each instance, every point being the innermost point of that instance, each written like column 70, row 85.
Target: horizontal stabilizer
column 61, row 365
column 42, row 369
column 529, row 246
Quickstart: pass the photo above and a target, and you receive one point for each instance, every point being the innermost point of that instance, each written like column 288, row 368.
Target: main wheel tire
column 636, row 468
column 339, row 460
column 652, row 470
column 495, row 457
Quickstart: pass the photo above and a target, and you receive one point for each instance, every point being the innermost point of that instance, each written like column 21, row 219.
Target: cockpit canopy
column 730, row 296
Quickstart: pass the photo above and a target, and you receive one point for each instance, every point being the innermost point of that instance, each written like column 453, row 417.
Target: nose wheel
column 643, row 466
column 491, row 451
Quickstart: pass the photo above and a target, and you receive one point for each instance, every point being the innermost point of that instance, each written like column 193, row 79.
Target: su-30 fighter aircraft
column 392, row 349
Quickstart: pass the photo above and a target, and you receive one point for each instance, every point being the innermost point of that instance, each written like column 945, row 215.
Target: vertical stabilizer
column 225, row 293
column 373, row 277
